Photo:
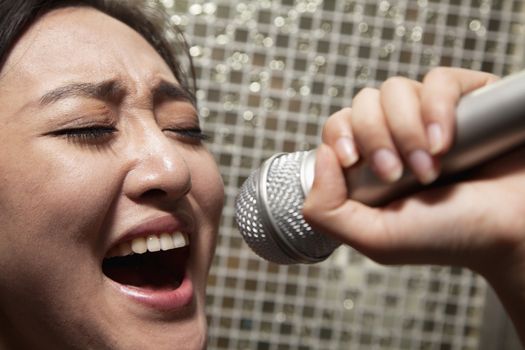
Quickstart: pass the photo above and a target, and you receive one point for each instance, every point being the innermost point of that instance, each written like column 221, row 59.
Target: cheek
column 51, row 212
column 51, row 208
column 208, row 194
column 51, row 195
column 207, row 187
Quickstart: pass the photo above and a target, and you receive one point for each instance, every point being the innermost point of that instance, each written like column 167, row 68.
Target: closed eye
column 195, row 134
column 90, row 134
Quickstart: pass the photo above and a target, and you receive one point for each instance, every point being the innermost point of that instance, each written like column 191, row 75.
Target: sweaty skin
column 67, row 196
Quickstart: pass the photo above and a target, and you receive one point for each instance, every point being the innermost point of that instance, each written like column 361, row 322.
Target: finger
column 372, row 136
column 370, row 230
column 337, row 133
column 401, row 106
column 409, row 232
column 441, row 91
column 327, row 208
column 329, row 186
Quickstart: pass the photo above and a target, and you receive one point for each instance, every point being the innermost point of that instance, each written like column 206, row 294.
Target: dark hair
column 16, row 16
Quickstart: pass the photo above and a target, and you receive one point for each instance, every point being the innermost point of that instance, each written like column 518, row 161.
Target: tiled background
column 269, row 73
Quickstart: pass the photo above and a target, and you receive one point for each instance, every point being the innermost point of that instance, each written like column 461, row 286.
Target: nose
column 158, row 169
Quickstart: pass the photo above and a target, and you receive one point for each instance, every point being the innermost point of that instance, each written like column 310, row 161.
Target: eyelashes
column 102, row 133
column 90, row 134
column 194, row 133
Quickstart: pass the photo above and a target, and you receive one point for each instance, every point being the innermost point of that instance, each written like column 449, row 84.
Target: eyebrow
column 166, row 90
column 112, row 89
column 105, row 90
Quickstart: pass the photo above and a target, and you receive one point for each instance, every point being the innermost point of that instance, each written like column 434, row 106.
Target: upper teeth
column 152, row 243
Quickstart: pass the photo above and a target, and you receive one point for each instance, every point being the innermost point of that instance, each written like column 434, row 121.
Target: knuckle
column 365, row 94
column 367, row 110
column 394, row 82
column 363, row 124
column 442, row 73
column 337, row 123
column 368, row 123
column 345, row 112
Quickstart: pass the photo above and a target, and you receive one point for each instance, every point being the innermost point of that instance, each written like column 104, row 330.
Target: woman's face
column 101, row 155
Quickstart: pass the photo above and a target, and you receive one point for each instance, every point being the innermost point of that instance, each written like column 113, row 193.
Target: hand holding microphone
column 392, row 128
column 475, row 221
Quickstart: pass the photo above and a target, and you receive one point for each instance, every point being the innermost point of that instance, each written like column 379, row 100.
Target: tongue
column 159, row 270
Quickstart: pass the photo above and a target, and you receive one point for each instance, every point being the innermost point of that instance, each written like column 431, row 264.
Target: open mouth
column 157, row 262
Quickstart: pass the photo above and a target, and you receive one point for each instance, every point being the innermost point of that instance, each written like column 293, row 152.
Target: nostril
column 154, row 192
column 145, row 181
column 160, row 192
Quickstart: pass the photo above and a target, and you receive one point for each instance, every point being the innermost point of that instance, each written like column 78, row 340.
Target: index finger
column 338, row 134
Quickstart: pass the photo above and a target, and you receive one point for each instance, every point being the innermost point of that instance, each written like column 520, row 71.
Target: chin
column 184, row 335
column 135, row 327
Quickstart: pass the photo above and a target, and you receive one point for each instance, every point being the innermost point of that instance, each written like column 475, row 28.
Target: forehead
column 79, row 44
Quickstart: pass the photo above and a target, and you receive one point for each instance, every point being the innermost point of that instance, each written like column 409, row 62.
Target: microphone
column 490, row 121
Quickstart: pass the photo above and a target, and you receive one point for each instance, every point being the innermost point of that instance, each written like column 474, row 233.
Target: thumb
column 328, row 210
column 329, row 187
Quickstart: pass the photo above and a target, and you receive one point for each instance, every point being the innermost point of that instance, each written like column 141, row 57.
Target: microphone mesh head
column 269, row 214
column 249, row 222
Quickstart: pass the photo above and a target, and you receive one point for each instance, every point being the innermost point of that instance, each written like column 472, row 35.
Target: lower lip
column 162, row 300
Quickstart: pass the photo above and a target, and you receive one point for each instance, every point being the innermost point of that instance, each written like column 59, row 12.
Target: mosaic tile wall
column 269, row 73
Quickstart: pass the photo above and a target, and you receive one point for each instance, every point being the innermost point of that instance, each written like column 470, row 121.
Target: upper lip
column 166, row 223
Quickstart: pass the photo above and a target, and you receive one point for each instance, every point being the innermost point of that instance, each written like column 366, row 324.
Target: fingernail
column 387, row 164
column 423, row 166
column 435, row 138
column 346, row 151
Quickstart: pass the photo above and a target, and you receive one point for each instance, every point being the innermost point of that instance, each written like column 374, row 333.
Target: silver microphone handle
column 489, row 122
